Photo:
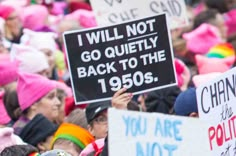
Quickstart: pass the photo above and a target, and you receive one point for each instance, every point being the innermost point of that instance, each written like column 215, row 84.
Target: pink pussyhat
column 230, row 21
column 5, row 11
column 39, row 40
column 209, row 65
column 4, row 117
column 182, row 71
column 31, row 88
column 34, row 16
column 64, row 87
column 200, row 40
column 8, row 138
column 85, row 18
column 30, row 60
column 203, row 78
column 8, row 72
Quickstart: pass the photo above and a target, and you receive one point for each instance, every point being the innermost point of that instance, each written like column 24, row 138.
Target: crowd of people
column 38, row 115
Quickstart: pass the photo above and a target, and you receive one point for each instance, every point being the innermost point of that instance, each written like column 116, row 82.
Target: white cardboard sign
column 217, row 107
column 154, row 134
column 109, row 12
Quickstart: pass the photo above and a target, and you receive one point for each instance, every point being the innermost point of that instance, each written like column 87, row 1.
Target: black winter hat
column 162, row 100
column 37, row 130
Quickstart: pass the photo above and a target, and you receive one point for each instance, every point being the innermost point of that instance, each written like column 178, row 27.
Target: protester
column 96, row 115
column 12, row 27
column 36, row 95
column 186, row 103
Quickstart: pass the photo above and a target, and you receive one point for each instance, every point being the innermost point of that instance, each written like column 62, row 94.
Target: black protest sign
column 135, row 55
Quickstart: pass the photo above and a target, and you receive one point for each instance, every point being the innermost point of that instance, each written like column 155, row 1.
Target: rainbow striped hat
column 79, row 136
column 221, row 50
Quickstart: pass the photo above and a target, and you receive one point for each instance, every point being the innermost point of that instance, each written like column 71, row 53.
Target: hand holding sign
column 121, row 99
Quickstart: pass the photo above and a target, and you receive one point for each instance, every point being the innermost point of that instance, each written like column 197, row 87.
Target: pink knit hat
column 8, row 72
column 39, row 40
column 208, row 65
column 31, row 88
column 30, row 60
column 34, row 16
column 5, row 11
column 230, row 21
column 8, row 138
column 85, row 18
column 182, row 71
column 203, row 78
column 4, row 117
column 200, row 40
column 64, row 87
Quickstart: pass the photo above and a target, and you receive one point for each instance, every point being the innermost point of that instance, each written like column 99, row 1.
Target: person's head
column 186, row 103
column 212, row 17
column 44, row 42
column 37, row 94
column 10, row 15
column 77, row 117
column 8, row 138
column 39, row 132
column 70, row 105
column 221, row 5
column 21, row 150
column 67, row 146
column 66, row 25
column 30, row 60
column 31, row 12
column 12, row 21
column 56, row 152
column 96, row 115
column 162, row 100
column 71, row 138
column 134, row 106
column 8, row 74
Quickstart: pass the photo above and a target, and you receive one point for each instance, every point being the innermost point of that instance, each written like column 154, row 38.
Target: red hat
column 70, row 105
column 5, row 11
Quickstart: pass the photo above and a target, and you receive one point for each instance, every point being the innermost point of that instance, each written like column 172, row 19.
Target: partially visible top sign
column 109, row 12
column 153, row 134
column 136, row 55
column 217, row 107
